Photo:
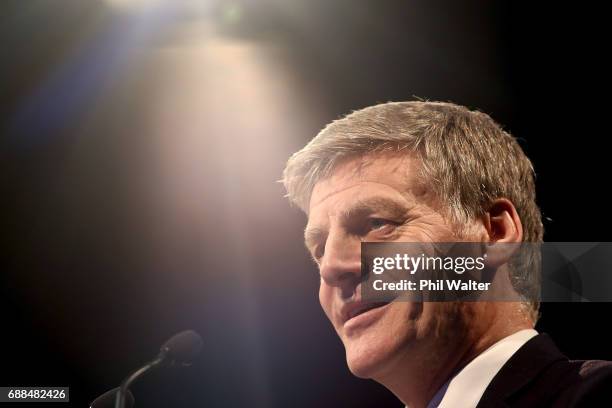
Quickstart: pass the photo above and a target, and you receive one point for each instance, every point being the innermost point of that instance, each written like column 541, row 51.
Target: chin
column 361, row 369
column 368, row 358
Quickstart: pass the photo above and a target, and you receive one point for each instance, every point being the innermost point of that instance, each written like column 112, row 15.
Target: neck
column 417, row 375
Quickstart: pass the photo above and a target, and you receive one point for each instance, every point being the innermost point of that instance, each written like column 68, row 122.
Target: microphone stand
column 125, row 385
column 179, row 350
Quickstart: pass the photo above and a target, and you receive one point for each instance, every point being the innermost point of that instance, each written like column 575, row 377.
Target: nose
column 340, row 265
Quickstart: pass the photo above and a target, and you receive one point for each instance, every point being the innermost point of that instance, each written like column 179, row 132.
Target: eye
column 380, row 224
column 318, row 253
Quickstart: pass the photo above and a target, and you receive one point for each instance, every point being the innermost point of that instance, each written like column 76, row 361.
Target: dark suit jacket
column 539, row 375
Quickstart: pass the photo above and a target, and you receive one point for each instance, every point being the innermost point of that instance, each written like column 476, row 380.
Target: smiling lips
column 354, row 309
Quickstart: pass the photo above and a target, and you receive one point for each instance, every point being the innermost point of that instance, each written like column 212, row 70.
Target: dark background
column 140, row 148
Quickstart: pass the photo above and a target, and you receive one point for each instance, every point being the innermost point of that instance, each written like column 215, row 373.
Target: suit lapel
column 531, row 359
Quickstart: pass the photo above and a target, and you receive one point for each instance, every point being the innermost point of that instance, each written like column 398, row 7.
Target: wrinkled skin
column 381, row 198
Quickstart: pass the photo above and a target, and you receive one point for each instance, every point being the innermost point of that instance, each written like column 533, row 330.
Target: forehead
column 360, row 179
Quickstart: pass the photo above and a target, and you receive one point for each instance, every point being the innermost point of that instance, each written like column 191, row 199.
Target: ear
column 502, row 222
column 504, row 227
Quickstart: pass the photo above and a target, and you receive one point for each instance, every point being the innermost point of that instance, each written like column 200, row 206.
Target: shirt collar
column 467, row 387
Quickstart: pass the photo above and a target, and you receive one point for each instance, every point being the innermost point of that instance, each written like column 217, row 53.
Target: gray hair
column 467, row 158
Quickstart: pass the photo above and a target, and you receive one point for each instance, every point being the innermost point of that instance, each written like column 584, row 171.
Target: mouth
column 357, row 309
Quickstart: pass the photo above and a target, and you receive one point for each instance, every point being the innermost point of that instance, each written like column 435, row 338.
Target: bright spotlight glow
column 228, row 104
column 130, row 5
column 192, row 8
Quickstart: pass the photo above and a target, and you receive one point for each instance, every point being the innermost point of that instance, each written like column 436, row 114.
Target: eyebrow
column 314, row 235
column 387, row 206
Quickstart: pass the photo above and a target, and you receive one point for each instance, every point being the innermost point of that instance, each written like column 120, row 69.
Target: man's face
column 377, row 199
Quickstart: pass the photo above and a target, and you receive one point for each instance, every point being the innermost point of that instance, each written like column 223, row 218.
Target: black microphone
column 107, row 400
column 180, row 350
